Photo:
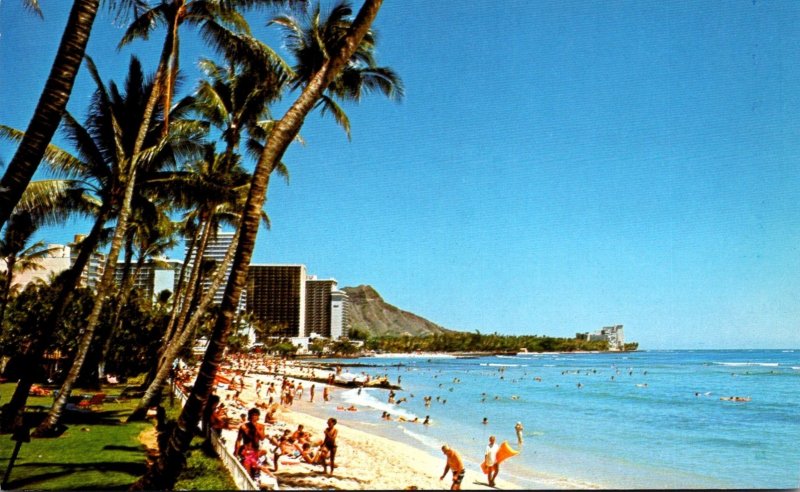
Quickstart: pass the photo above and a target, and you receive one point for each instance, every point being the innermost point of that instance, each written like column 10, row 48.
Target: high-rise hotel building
column 276, row 296
column 318, row 306
column 216, row 248
column 292, row 304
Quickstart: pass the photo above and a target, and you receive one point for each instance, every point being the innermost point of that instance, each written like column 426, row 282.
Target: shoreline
column 364, row 461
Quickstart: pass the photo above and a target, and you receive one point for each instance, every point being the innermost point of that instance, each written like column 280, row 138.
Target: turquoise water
column 645, row 428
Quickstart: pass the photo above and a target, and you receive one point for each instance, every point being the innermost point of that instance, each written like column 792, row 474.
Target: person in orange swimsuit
column 455, row 464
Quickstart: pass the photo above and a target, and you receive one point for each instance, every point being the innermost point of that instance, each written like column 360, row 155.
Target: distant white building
column 614, row 335
column 154, row 276
column 60, row 258
column 338, row 314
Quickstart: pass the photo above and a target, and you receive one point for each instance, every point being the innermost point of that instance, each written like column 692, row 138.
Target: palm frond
column 141, row 26
column 282, row 171
column 52, row 202
column 33, row 6
column 330, row 106
column 92, row 162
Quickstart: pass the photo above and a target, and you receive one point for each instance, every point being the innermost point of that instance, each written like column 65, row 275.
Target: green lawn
column 97, row 451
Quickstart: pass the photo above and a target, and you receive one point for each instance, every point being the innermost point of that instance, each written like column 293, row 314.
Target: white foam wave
column 504, row 365
column 366, row 400
column 422, row 355
column 743, row 364
column 426, row 440
column 796, row 368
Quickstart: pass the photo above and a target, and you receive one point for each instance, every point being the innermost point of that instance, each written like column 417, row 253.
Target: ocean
column 647, row 419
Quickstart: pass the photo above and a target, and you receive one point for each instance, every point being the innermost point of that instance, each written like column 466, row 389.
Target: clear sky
column 555, row 166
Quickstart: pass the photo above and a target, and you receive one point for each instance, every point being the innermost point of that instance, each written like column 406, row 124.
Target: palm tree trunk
column 106, row 285
column 51, row 106
column 171, row 71
column 164, row 473
column 126, row 287
column 183, row 297
column 181, row 286
column 182, row 335
column 176, row 296
column 67, row 282
column 9, row 279
column 194, row 281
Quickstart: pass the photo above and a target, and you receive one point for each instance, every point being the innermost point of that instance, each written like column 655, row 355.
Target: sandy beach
column 364, row 461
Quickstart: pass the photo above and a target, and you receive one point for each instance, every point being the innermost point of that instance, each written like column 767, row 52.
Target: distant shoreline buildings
column 284, row 299
column 614, row 335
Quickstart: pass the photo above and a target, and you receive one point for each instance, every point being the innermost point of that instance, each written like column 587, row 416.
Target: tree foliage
column 132, row 352
column 477, row 342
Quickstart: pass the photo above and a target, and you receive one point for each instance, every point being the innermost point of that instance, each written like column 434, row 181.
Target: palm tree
column 110, row 116
column 310, row 40
column 234, row 99
column 219, row 190
column 214, row 19
column 164, row 473
column 53, row 101
column 152, row 234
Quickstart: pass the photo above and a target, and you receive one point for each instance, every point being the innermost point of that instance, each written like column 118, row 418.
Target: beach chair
column 96, row 400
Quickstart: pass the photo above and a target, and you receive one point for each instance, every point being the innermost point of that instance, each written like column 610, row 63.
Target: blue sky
column 554, row 167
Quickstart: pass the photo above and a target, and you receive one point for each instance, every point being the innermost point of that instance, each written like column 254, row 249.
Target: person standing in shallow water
column 519, row 430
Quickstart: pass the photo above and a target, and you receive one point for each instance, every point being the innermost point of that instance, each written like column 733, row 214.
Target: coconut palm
column 113, row 131
column 213, row 18
column 234, row 99
column 311, row 38
column 229, row 191
column 164, row 474
column 152, row 234
column 53, row 101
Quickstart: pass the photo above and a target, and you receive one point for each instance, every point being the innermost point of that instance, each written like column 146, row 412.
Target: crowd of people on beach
column 250, row 393
column 260, row 444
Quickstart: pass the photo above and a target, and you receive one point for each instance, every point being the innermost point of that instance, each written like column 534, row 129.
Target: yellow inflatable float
column 503, row 454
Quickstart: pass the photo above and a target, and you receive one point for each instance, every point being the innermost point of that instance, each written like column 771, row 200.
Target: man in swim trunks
column 453, row 463
column 330, row 441
column 490, row 458
column 248, row 441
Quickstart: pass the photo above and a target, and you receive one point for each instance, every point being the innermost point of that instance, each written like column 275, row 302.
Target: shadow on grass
column 135, row 470
column 114, row 447
column 101, row 417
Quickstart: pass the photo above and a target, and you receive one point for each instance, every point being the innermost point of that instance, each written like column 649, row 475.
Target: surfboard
column 505, row 452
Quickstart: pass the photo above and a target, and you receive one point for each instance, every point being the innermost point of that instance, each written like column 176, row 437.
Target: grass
column 98, row 451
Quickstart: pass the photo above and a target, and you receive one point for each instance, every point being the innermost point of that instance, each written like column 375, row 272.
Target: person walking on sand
column 311, row 391
column 519, row 430
column 490, row 459
column 330, row 441
column 455, row 464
